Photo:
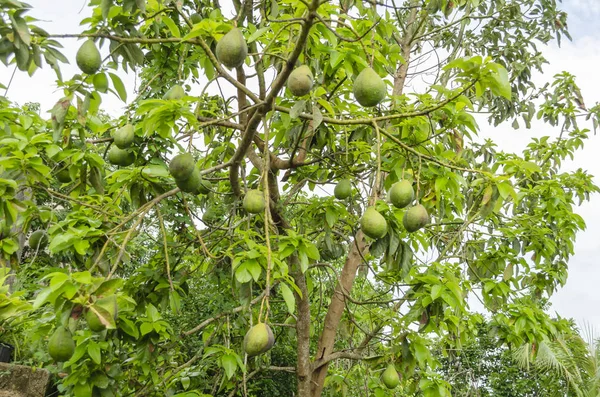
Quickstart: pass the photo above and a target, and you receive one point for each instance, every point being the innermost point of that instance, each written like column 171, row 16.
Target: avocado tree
column 279, row 210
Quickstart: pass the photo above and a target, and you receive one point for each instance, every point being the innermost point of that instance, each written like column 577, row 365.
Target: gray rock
column 22, row 381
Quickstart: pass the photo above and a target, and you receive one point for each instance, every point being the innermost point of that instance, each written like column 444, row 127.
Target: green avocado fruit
column 195, row 18
column 192, row 184
column 369, row 88
column 64, row 176
column 373, row 224
column 120, row 157
column 401, row 194
column 300, row 81
column 259, row 339
column 390, row 377
column 174, row 93
column 88, row 57
column 61, row 345
column 415, row 218
column 38, row 240
column 232, row 49
column 343, row 189
column 123, row 137
column 182, row 166
column 254, row 202
column 108, row 303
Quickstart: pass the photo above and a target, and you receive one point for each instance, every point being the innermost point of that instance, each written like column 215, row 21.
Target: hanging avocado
column 369, row 88
column 88, row 57
column 232, row 49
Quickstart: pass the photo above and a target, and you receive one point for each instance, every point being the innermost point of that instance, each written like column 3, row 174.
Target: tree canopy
column 329, row 169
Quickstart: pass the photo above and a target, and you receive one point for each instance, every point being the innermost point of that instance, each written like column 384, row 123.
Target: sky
column 581, row 57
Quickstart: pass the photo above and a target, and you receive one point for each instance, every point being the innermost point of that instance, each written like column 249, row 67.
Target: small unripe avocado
column 195, row 18
column 176, row 92
column 61, row 345
column 182, row 166
column 402, row 194
column 258, row 339
column 415, row 218
column 64, row 176
column 369, row 88
column 390, row 377
column 254, row 202
column 205, row 187
column 109, row 303
column 232, row 49
column 88, row 57
column 210, row 215
column 123, row 137
column 300, row 81
column 343, row 189
column 373, row 224
column 192, row 184
column 120, row 157
column 38, row 240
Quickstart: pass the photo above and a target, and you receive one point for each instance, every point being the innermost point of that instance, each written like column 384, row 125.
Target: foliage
column 192, row 273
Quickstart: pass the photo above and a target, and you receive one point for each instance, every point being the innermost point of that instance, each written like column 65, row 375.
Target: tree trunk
column 360, row 248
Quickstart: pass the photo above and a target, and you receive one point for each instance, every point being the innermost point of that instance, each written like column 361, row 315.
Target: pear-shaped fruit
column 64, row 176
column 88, row 57
column 300, row 81
column 108, row 303
column 120, row 157
column 195, row 18
column 390, row 377
column 182, row 166
column 61, row 345
column 373, row 224
column 254, row 202
column 123, row 137
column 192, row 184
column 210, row 216
column 258, row 339
column 176, row 92
column 38, row 240
column 415, row 218
column 343, row 189
column 369, row 88
column 402, row 194
column 205, row 187
column 232, row 49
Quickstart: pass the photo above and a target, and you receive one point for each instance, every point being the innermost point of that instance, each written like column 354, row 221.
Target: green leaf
column 84, row 277
column 288, row 297
column 105, row 7
column 229, row 364
column 82, row 390
column 297, row 109
column 257, row 34
column 42, row 297
column 171, row 25
column 94, row 352
column 118, row 84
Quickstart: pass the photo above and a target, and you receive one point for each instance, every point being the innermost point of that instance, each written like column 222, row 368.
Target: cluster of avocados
column 187, row 176
column 401, row 194
column 369, row 89
column 231, row 50
column 120, row 152
column 61, row 345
